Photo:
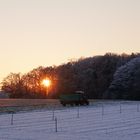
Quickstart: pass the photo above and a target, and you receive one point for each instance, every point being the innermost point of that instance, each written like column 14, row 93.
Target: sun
column 46, row 82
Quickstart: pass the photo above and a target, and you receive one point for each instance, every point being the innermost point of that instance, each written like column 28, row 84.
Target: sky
column 51, row 32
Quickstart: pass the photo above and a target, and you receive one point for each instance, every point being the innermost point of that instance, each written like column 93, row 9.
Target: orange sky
column 49, row 32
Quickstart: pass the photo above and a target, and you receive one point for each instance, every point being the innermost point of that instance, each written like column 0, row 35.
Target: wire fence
column 104, row 117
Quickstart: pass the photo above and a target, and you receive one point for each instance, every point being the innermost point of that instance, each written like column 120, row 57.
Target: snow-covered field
column 109, row 120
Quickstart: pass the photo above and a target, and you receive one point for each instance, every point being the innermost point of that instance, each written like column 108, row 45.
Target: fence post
column 138, row 107
column 53, row 114
column 56, row 124
column 106, row 131
column 102, row 110
column 12, row 119
column 78, row 112
column 120, row 108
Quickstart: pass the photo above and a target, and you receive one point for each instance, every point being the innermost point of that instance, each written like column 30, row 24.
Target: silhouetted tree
column 13, row 84
column 92, row 75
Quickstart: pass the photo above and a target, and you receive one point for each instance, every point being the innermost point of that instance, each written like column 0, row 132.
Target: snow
column 102, row 120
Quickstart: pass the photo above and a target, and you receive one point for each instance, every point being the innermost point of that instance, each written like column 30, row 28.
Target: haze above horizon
column 42, row 32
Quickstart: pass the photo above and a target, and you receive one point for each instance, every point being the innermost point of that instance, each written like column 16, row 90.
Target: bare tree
column 13, row 84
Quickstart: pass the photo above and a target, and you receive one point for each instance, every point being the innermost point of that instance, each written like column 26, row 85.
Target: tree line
column 106, row 76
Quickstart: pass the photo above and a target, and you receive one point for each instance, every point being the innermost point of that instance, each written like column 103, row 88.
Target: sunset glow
column 51, row 32
column 46, row 82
